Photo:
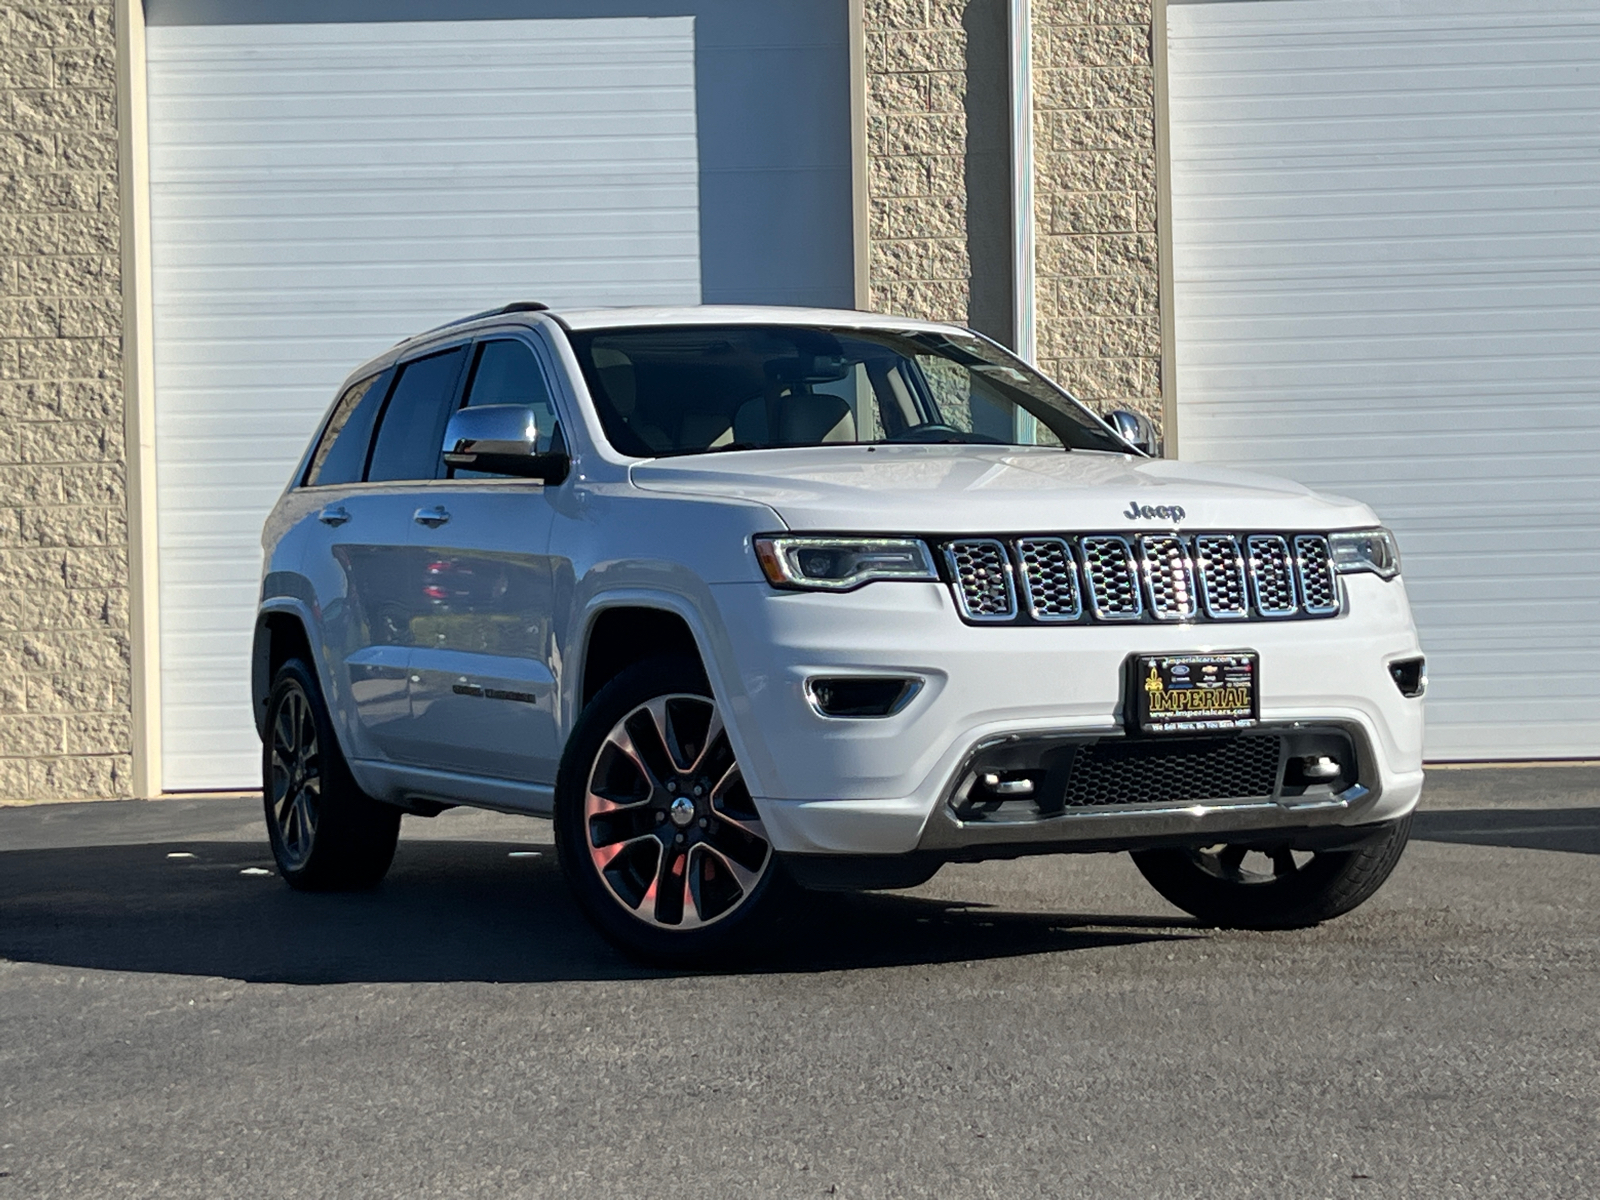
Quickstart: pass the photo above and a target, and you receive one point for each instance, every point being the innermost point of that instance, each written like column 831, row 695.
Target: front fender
column 697, row 607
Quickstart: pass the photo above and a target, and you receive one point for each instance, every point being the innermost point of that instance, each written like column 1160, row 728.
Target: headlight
column 839, row 564
column 1373, row 550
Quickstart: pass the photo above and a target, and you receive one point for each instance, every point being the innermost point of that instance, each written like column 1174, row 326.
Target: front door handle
column 431, row 517
column 334, row 514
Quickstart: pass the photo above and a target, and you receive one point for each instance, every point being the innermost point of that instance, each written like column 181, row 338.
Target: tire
column 326, row 833
column 1221, row 886
column 668, row 873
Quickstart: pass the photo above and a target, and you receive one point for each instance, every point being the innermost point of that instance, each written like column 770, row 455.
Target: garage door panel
column 320, row 191
column 1387, row 267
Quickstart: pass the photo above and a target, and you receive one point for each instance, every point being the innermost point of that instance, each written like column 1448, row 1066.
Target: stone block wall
column 1097, row 286
column 64, row 669
column 938, row 146
column 916, row 53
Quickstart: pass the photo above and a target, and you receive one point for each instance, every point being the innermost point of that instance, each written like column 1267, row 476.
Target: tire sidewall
column 1329, row 886
column 634, row 686
column 355, row 835
column 294, row 676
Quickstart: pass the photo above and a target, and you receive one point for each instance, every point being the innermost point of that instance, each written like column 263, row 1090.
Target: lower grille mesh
column 1142, row 772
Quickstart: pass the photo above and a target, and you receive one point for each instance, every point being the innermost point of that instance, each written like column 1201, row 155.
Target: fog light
column 861, row 695
column 1410, row 675
column 1007, row 787
column 1319, row 768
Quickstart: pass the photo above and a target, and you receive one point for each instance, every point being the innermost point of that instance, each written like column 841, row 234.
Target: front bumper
column 829, row 786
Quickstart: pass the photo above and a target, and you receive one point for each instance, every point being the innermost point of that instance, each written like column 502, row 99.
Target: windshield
column 698, row 389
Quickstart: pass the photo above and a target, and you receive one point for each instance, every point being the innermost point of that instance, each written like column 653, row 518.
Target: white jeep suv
column 745, row 597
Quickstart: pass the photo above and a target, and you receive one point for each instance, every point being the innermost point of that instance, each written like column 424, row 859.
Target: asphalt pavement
column 175, row 1022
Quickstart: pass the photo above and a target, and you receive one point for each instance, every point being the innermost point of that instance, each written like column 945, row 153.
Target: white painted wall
column 320, row 191
column 1386, row 223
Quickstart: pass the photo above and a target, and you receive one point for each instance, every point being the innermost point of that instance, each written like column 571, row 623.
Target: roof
column 741, row 314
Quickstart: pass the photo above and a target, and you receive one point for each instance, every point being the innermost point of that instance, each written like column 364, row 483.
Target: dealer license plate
column 1195, row 693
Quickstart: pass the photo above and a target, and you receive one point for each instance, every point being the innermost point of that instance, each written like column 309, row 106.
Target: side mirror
column 1137, row 429
column 501, row 439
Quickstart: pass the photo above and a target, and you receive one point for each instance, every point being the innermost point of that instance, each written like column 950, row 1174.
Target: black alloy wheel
column 326, row 833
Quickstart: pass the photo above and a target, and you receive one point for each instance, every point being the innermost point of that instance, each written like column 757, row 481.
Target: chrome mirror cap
column 490, row 429
column 502, row 439
column 1136, row 429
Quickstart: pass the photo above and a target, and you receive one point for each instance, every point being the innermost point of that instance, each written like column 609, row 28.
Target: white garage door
column 320, row 191
column 1387, row 254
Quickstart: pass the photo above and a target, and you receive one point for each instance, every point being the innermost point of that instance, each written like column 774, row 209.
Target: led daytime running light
column 841, row 564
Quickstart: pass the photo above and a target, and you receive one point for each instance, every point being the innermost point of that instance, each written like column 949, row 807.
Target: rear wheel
column 326, row 833
column 656, row 831
column 1249, row 887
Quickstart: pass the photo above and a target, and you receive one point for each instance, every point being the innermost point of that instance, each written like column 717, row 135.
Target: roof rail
column 515, row 306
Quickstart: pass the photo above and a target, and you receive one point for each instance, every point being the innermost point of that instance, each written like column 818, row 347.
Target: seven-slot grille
column 1153, row 576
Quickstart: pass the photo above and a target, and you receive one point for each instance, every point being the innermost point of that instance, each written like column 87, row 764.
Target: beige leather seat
column 803, row 419
column 616, row 376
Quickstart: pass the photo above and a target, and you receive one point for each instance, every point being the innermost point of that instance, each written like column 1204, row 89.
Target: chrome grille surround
column 1111, row 577
column 1095, row 578
column 1319, row 589
column 981, row 569
column 1050, row 579
column 1168, row 576
column 1271, row 575
column 1220, row 567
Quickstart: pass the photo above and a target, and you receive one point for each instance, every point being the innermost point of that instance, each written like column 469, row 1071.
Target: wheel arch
column 282, row 632
column 707, row 641
column 620, row 632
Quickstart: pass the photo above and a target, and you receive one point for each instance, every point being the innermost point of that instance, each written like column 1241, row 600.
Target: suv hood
column 983, row 489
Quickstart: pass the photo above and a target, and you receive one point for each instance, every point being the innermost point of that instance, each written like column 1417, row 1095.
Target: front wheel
column 655, row 829
column 1249, row 887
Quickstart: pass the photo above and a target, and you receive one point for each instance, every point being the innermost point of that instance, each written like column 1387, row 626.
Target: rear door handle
column 431, row 517
column 334, row 514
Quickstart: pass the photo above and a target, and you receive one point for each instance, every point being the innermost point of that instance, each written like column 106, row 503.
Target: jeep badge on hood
column 1163, row 512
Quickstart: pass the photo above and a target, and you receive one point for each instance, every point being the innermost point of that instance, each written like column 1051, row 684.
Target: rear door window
column 412, row 426
column 507, row 372
column 341, row 453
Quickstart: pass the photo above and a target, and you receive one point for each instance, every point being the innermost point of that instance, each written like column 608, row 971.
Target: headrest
column 806, row 418
column 616, row 376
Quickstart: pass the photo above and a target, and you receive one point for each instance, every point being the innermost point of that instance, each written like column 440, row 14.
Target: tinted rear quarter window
column 341, row 453
column 412, row 427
